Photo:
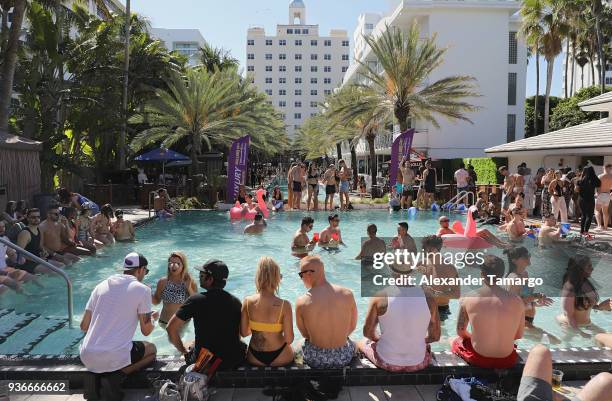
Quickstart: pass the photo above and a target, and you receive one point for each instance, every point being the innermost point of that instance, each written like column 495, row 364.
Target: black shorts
column 330, row 189
column 408, row 191
column 430, row 189
column 137, row 352
column 29, row 266
column 297, row 186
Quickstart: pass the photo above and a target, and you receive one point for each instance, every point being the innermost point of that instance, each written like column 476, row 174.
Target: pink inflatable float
column 236, row 213
column 465, row 238
column 262, row 204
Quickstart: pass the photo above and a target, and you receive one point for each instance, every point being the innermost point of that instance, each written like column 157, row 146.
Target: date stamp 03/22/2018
column 51, row 387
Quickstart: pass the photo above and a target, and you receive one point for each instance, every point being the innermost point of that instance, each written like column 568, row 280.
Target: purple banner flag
column 237, row 166
column 400, row 149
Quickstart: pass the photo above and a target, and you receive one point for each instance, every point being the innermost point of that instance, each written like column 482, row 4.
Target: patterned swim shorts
column 328, row 358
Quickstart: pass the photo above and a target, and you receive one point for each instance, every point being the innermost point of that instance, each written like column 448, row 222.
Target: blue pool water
column 204, row 235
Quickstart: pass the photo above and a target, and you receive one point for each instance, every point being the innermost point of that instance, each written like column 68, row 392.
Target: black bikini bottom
column 267, row 357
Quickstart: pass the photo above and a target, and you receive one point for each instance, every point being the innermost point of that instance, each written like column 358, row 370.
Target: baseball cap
column 216, row 268
column 134, row 260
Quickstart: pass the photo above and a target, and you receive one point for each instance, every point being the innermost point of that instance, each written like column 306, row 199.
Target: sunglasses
column 54, row 214
column 301, row 274
column 146, row 270
column 444, row 221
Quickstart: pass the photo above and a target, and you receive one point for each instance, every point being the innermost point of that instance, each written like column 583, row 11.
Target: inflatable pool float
column 465, row 238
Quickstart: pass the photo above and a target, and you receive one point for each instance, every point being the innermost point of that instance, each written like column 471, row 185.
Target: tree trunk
column 9, row 60
column 567, row 52
column 354, row 166
column 601, row 59
column 592, row 62
column 550, row 64
column 126, row 71
column 537, row 95
column 339, row 150
column 194, row 159
column 573, row 67
column 582, row 76
column 373, row 171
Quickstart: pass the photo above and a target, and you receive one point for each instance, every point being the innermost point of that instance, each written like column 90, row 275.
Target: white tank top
column 404, row 327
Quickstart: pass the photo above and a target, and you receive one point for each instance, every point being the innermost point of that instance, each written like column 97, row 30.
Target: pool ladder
column 459, row 198
column 62, row 273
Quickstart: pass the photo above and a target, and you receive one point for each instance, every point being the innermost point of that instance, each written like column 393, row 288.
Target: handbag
column 194, row 385
column 169, row 392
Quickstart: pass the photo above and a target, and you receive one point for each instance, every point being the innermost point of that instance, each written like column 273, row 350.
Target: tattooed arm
column 433, row 331
column 462, row 322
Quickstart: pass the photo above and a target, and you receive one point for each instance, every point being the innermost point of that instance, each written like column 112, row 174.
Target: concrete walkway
column 356, row 393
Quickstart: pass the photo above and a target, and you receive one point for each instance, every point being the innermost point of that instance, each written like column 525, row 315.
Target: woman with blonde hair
column 268, row 319
column 174, row 289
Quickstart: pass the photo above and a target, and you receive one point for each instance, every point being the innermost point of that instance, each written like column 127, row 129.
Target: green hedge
column 486, row 168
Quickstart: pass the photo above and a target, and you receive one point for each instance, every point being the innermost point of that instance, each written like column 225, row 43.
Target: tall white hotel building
column 296, row 68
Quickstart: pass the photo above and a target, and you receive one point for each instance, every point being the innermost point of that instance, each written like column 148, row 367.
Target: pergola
column 19, row 167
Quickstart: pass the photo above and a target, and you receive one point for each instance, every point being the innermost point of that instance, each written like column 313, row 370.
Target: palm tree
column 212, row 57
column 209, row 108
column 548, row 15
column 532, row 32
column 9, row 60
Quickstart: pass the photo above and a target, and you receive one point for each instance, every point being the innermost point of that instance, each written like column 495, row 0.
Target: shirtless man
column 301, row 244
column 290, row 185
column 329, row 179
column 516, row 227
column 403, row 240
column 603, row 198
column 444, row 221
column 161, row 204
column 297, row 176
column 497, row 319
column 123, row 230
column 257, row 226
column 326, row 316
column 31, row 239
column 549, row 232
column 331, row 237
column 435, row 268
column 345, row 177
column 371, row 246
column 55, row 237
column 507, row 188
column 408, row 178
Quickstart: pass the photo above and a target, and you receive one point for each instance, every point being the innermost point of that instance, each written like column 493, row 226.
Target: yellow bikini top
column 267, row 327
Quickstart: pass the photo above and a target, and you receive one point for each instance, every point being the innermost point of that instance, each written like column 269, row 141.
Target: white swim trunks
column 603, row 198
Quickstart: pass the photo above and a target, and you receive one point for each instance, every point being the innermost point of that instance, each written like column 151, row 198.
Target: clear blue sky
column 224, row 23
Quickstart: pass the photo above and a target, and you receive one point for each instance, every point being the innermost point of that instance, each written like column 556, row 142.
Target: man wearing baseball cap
column 113, row 311
column 216, row 319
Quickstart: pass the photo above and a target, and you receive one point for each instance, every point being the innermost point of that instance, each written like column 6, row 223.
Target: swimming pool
column 204, row 235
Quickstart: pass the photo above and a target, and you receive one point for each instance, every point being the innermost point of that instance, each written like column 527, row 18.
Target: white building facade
column 481, row 40
column 184, row 41
column 297, row 67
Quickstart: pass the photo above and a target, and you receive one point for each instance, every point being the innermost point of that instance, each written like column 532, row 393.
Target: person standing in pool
column 257, row 226
column 435, row 268
column 301, row 244
column 268, row 319
column 123, row 230
column 329, row 179
column 497, row 318
column 174, row 289
column 297, row 185
column 326, row 315
column 371, row 246
column 331, row 237
column 444, row 229
column 403, row 240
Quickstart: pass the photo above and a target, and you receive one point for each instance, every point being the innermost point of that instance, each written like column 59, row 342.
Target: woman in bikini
column 267, row 319
column 555, row 188
column 312, row 179
column 102, row 225
column 174, row 289
column 579, row 295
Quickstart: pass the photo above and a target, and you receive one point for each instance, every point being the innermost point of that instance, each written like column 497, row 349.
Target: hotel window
column 283, row 116
column 298, row 104
column 608, row 80
column 297, row 116
column 289, row 31
column 327, row 81
column 251, row 68
column 313, row 43
column 298, row 92
column 345, row 57
column 314, row 57
column 268, row 80
column 282, row 56
column 250, row 42
column 327, row 43
column 282, row 42
column 313, row 114
column 282, row 103
column 269, row 92
column 512, row 88
column 298, row 56
column 313, row 80
column 282, row 92
column 369, row 26
column 298, row 42
column 268, row 56
column 327, row 92
column 298, row 80
column 268, row 42
column 314, row 104
column 298, row 68
column 314, row 68
column 345, row 43
column 512, row 48
column 282, row 80
column 296, row 127
column 327, row 57
column 269, row 102
column 305, row 31
column 344, row 69
column 313, row 92
column 250, row 56
column 327, row 68
column 282, row 68
column 511, row 128
column 268, row 68
column 297, row 31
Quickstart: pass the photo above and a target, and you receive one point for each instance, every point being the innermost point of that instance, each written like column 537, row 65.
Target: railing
column 459, row 198
column 152, row 194
column 48, row 266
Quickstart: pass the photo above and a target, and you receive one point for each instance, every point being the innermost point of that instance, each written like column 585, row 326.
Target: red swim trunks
column 463, row 348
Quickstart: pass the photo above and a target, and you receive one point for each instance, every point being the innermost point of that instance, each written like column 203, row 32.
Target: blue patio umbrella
column 162, row 155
